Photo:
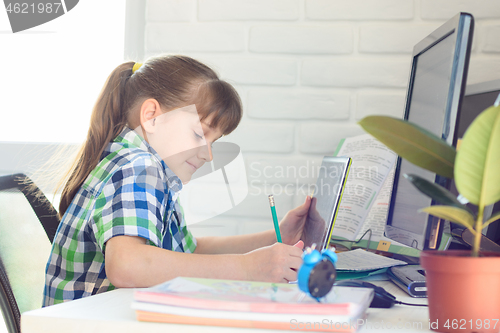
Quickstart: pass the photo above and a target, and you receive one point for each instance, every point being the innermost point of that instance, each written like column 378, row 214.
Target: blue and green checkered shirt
column 130, row 192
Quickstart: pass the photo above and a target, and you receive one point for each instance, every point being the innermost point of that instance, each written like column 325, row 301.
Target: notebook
column 197, row 301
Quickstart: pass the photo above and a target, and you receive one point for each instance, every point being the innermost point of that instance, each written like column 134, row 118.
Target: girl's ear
column 150, row 109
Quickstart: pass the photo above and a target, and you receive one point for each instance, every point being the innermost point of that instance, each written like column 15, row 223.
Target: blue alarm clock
column 317, row 273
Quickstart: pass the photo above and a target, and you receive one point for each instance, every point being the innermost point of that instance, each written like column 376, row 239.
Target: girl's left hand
column 292, row 225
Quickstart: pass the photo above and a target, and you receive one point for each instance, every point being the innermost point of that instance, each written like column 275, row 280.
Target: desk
column 111, row 312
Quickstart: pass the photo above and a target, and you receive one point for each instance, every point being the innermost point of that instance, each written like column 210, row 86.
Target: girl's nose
column 205, row 153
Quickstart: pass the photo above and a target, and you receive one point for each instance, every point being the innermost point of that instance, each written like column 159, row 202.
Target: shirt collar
column 133, row 138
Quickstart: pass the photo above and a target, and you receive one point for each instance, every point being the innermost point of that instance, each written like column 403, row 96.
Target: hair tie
column 137, row 65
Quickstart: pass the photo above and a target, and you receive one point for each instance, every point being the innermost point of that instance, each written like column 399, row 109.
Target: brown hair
column 174, row 81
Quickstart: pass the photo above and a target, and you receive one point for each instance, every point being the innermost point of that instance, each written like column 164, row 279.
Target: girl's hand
column 292, row 225
column 276, row 263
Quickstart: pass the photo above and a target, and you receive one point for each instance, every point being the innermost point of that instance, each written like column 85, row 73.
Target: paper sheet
column 361, row 260
column 371, row 163
column 377, row 216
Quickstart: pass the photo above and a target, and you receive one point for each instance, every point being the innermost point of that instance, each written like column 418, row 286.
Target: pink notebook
column 247, row 296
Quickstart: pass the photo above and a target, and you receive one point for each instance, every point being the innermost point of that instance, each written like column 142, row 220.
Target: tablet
column 325, row 203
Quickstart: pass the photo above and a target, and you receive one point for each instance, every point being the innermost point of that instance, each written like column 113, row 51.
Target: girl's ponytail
column 107, row 121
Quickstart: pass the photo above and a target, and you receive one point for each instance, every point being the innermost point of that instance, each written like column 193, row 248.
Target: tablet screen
column 326, row 201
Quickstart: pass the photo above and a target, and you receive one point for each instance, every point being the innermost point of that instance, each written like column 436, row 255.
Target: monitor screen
column 478, row 97
column 435, row 91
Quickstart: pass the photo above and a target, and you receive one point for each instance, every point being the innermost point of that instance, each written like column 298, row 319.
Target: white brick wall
column 307, row 71
column 188, row 37
column 171, row 10
column 492, row 39
column 392, row 38
column 254, row 70
column 359, row 10
column 322, row 137
column 269, row 103
column 484, row 67
column 356, row 72
column 380, row 102
column 444, row 9
column 282, row 170
column 263, row 136
column 307, row 39
column 242, row 10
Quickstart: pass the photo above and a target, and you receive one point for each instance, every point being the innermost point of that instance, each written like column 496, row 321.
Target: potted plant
column 463, row 287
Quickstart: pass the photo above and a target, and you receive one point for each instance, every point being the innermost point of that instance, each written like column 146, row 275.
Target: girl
column 151, row 128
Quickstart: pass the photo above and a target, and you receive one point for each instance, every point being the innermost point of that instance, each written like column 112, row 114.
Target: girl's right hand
column 276, row 263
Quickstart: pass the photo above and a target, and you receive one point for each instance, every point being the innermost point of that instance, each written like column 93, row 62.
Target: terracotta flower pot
column 463, row 292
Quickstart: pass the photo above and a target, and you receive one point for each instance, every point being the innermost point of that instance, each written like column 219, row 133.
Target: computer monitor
column 436, row 87
column 478, row 97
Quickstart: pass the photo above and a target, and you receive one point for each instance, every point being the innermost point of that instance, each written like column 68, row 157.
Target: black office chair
column 26, row 235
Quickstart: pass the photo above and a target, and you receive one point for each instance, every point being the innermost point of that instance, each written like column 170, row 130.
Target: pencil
column 275, row 218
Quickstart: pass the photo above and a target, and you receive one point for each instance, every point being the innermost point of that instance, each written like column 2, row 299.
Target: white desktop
column 112, row 312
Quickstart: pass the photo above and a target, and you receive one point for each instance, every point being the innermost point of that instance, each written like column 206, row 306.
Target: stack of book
column 248, row 304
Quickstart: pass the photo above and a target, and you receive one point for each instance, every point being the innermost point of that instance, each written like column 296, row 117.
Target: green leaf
column 436, row 192
column 492, row 219
column 453, row 214
column 477, row 166
column 413, row 143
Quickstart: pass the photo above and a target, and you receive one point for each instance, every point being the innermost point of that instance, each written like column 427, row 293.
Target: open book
column 366, row 198
column 365, row 203
column 197, row 301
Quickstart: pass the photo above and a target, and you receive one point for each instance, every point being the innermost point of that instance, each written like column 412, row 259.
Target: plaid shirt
column 130, row 192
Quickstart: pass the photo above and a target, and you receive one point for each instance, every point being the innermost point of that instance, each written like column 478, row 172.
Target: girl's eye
column 198, row 136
